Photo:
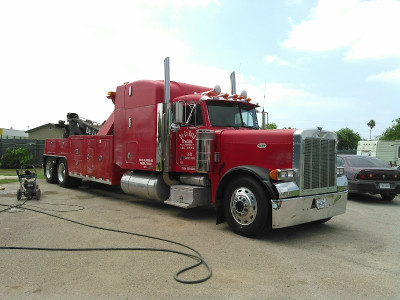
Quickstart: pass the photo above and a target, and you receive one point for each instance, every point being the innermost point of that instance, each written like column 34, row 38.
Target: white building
column 13, row 134
column 388, row 151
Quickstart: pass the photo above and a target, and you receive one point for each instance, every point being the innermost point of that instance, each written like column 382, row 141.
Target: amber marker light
column 111, row 95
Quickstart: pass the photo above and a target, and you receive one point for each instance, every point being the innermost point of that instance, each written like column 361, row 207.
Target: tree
column 371, row 124
column 392, row 133
column 14, row 158
column 271, row 126
column 347, row 139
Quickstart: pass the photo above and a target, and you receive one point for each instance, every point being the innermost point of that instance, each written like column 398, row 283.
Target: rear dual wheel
column 64, row 180
column 50, row 171
column 247, row 207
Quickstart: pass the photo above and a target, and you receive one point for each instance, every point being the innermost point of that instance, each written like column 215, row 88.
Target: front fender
column 257, row 172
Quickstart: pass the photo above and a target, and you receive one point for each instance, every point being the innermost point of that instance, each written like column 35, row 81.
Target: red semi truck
column 191, row 146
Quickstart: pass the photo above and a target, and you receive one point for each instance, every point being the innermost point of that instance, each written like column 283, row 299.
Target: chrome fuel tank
column 146, row 185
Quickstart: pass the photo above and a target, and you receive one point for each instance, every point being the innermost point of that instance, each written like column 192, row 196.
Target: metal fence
column 347, row 152
column 36, row 147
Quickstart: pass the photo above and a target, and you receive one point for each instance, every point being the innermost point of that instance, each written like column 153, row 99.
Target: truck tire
column 50, row 171
column 247, row 207
column 62, row 173
column 388, row 196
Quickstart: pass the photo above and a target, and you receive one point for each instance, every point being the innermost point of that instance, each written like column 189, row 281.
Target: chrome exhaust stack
column 233, row 83
column 167, row 116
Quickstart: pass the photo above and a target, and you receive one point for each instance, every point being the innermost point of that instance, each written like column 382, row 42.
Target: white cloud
column 275, row 59
column 390, row 77
column 63, row 57
column 367, row 29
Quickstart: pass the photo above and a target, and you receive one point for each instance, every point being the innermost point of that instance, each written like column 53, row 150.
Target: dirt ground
column 353, row 256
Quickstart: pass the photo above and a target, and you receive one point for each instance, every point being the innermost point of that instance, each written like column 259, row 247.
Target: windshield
column 229, row 114
column 366, row 162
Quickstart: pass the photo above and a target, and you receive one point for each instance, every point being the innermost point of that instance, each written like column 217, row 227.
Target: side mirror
column 178, row 113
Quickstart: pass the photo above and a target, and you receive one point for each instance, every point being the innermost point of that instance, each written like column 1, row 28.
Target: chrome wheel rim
column 243, row 206
column 49, row 169
column 61, row 172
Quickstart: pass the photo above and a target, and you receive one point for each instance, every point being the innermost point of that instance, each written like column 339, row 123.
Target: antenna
column 239, row 76
column 265, row 89
column 263, row 113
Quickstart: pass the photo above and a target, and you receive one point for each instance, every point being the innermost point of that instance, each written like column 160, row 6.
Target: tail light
column 387, row 176
column 365, row 175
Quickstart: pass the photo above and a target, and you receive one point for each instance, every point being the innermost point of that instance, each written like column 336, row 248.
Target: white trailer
column 388, row 151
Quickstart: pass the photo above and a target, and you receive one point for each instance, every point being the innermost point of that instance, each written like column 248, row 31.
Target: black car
column 370, row 175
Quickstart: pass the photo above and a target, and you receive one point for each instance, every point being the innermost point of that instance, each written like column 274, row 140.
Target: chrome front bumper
column 299, row 210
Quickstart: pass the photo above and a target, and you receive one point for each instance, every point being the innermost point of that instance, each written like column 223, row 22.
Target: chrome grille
column 319, row 170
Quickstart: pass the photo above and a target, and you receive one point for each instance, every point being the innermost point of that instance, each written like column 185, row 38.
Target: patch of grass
column 8, row 172
column 4, row 181
column 13, row 172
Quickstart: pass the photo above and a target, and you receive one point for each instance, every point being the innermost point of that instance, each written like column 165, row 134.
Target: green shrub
column 14, row 158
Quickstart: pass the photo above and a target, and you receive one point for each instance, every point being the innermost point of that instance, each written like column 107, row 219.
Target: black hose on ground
column 198, row 256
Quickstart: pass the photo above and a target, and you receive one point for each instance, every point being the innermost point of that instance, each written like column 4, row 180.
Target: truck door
column 186, row 137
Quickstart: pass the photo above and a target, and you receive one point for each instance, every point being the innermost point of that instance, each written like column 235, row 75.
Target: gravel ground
column 353, row 256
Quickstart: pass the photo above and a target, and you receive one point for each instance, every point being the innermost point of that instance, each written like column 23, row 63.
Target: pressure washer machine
column 27, row 176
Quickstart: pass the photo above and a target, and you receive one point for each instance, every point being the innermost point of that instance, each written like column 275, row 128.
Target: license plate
column 384, row 185
column 321, row 203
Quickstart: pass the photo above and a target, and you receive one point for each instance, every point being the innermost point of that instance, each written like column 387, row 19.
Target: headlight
column 283, row 174
column 339, row 171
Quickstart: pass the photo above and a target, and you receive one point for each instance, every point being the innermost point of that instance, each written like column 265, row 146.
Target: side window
column 247, row 118
column 193, row 115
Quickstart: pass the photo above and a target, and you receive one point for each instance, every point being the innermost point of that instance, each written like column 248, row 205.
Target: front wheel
column 247, row 207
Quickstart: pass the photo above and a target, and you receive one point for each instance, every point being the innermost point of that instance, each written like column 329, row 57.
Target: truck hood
column 271, row 149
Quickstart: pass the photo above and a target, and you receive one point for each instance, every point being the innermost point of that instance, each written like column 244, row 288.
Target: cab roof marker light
column 225, row 96
column 208, row 93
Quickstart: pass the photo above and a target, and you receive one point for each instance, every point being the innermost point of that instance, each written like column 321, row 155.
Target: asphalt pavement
column 353, row 256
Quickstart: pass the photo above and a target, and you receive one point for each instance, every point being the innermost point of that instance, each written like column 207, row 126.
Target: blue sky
column 333, row 63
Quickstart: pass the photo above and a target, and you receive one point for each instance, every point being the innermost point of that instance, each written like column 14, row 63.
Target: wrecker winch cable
column 197, row 256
